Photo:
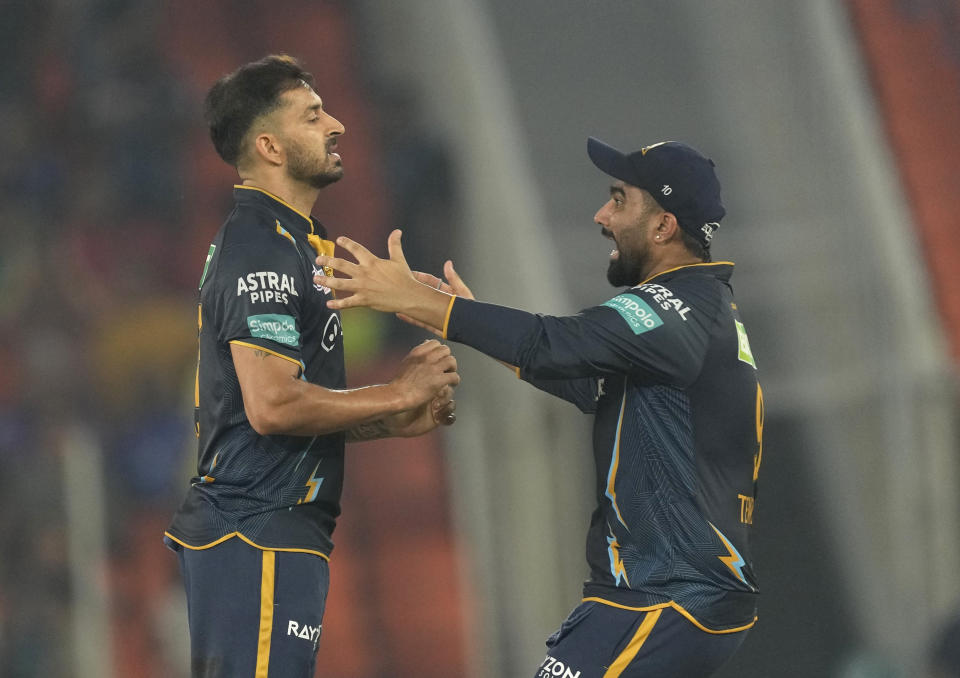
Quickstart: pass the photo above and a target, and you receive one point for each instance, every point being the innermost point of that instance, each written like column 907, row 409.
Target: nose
column 336, row 128
column 601, row 216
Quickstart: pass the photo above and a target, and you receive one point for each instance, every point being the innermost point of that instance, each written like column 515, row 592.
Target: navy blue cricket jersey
column 257, row 290
column 666, row 369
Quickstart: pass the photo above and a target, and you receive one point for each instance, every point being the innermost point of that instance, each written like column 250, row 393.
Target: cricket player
column 254, row 533
column 666, row 369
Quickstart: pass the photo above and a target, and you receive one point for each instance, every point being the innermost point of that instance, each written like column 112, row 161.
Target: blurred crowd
column 108, row 195
column 93, row 289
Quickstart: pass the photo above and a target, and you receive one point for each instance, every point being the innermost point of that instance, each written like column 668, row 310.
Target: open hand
column 380, row 284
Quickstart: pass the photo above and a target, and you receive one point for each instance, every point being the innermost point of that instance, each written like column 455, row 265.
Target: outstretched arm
column 625, row 335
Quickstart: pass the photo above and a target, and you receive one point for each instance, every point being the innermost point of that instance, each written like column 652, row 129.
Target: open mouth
column 332, row 150
column 615, row 253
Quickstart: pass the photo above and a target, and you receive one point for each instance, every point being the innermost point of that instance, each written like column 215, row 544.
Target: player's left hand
column 381, row 284
column 441, row 411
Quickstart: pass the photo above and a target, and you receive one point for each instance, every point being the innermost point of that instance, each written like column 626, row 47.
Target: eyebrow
column 614, row 189
column 315, row 107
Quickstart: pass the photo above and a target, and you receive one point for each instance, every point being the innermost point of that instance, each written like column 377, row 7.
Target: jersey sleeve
column 581, row 392
column 260, row 292
column 652, row 333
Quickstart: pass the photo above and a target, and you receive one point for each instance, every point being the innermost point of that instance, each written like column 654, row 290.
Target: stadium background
column 834, row 127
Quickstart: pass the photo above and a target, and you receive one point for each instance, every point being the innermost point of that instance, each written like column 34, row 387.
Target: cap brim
column 610, row 161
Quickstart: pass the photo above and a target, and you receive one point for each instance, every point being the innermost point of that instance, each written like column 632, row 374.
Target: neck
column 296, row 194
column 668, row 263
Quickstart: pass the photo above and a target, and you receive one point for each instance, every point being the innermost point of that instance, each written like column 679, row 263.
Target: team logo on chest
column 331, row 331
column 325, row 271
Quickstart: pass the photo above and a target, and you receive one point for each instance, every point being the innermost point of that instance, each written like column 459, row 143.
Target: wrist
column 429, row 305
column 396, row 399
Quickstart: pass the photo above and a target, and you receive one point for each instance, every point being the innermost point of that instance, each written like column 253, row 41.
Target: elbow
column 264, row 416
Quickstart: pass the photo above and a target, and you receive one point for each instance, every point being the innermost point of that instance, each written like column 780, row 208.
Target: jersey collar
column 252, row 194
column 722, row 270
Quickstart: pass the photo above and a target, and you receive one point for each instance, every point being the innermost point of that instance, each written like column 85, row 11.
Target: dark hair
column 236, row 100
column 695, row 247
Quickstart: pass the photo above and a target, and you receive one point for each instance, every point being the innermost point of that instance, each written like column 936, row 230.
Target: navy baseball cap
column 679, row 178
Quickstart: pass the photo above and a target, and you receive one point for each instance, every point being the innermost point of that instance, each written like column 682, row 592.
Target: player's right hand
column 424, row 372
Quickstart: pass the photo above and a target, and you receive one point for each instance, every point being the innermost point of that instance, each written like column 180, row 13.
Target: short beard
column 624, row 271
column 306, row 168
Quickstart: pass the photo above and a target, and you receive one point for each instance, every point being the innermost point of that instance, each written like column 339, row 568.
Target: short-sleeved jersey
column 667, row 370
column 257, row 291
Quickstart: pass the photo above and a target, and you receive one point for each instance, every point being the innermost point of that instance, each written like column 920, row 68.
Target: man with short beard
column 253, row 534
column 666, row 369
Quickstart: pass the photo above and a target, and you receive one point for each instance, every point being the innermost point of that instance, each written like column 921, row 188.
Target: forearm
column 540, row 346
column 497, row 331
column 304, row 409
column 372, row 430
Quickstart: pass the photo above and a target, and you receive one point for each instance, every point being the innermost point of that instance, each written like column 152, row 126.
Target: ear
column 667, row 228
column 268, row 148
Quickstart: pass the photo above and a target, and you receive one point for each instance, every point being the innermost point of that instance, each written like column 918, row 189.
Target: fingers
column 445, row 413
column 424, row 326
column 432, row 281
column 448, row 363
column 394, row 246
column 359, row 252
column 426, row 346
column 456, row 282
column 337, row 264
column 427, row 278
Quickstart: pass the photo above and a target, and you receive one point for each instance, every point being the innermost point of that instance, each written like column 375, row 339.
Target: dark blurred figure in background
column 945, row 650
column 419, row 174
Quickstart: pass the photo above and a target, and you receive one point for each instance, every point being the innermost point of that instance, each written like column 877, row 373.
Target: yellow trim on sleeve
column 630, row 652
column 279, row 200
column 267, row 350
column 677, row 268
column 446, row 317
column 266, row 614
column 242, row 538
column 675, row 606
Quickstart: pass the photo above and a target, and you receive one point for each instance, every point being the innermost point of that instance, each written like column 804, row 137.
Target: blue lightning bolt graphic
column 734, row 561
column 314, row 484
column 616, row 565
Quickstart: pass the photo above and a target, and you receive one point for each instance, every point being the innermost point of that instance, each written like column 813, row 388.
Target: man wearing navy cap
column 666, row 369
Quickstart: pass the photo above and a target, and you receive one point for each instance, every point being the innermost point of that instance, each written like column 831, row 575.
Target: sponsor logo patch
column 666, row 299
column 305, row 631
column 638, row 314
column 279, row 328
column 263, row 286
column 746, row 355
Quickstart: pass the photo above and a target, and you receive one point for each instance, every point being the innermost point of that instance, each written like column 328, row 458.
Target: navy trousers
column 253, row 613
column 604, row 641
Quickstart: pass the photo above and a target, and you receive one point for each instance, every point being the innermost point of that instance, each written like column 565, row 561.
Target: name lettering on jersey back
column 264, row 286
column 668, row 300
column 746, row 509
column 554, row 668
